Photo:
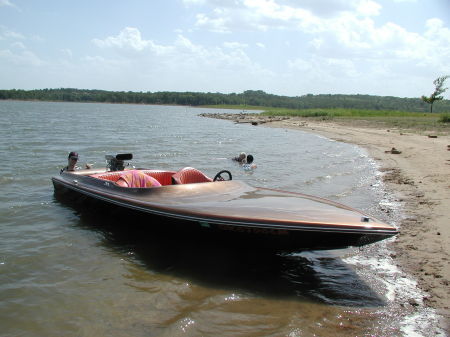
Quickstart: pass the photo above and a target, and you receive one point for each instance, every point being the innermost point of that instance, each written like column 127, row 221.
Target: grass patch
column 348, row 113
column 235, row 107
column 444, row 118
column 406, row 121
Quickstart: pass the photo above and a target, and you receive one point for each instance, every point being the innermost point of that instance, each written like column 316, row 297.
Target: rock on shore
column 251, row 118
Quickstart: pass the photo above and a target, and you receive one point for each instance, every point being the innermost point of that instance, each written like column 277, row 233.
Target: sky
column 283, row 47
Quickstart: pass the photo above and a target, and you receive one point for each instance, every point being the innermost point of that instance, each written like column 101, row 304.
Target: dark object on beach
column 432, row 136
column 393, row 151
column 191, row 204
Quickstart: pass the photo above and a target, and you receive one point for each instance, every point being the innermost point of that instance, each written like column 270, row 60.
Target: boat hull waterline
column 285, row 220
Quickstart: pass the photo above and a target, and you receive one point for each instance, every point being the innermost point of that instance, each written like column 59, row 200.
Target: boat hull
column 231, row 211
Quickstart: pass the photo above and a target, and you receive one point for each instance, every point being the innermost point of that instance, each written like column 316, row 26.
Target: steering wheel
column 218, row 176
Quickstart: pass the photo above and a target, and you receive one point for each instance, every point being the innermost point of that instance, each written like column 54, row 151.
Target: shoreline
column 416, row 170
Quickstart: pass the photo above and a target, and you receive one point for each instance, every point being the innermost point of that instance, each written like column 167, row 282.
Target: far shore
column 416, row 167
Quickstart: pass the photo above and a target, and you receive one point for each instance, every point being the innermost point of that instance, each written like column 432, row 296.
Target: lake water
column 64, row 273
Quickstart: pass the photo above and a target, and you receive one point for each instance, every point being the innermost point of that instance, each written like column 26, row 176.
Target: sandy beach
column 416, row 171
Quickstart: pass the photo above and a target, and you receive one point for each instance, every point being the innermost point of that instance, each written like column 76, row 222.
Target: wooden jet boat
column 227, row 208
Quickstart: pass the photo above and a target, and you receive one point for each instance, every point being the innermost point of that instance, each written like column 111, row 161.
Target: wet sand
column 416, row 170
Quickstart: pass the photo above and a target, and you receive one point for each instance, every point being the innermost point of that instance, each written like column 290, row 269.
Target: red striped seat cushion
column 190, row 175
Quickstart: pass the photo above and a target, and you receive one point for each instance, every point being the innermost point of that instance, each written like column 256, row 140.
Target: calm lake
column 69, row 273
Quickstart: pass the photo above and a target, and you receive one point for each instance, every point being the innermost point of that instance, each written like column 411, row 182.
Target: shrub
column 317, row 114
column 444, row 118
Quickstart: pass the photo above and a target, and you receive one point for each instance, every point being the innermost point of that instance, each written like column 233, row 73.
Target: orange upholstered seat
column 111, row 176
column 164, row 177
column 189, row 175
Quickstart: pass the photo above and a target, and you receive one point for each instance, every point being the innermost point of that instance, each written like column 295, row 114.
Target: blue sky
column 285, row 47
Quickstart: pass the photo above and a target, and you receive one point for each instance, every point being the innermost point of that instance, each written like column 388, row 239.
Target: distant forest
column 247, row 98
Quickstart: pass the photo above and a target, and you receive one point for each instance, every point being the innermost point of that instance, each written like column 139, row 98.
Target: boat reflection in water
column 188, row 202
column 232, row 264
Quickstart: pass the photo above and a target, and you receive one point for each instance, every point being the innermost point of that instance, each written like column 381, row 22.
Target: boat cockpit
column 117, row 173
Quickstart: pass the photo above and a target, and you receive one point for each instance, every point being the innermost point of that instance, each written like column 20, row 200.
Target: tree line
column 247, row 98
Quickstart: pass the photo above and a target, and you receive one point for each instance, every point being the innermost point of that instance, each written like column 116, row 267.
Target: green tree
column 439, row 89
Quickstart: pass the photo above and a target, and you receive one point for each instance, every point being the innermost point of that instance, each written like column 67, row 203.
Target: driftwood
column 393, row 151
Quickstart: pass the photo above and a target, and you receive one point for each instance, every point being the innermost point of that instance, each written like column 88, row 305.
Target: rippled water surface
column 72, row 272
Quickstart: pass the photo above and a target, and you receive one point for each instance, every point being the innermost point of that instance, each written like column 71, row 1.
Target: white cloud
column 17, row 53
column 300, row 64
column 346, row 25
column 220, row 24
column 7, row 34
column 182, row 52
column 262, row 15
column 7, row 3
column 437, row 31
column 194, row 2
column 67, row 52
column 281, row 46
column 18, row 45
column 235, row 45
column 187, row 55
column 183, row 65
column 344, row 28
column 128, row 38
column 316, row 43
column 368, row 8
column 321, row 67
column 101, row 63
column 333, row 40
column 20, row 58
